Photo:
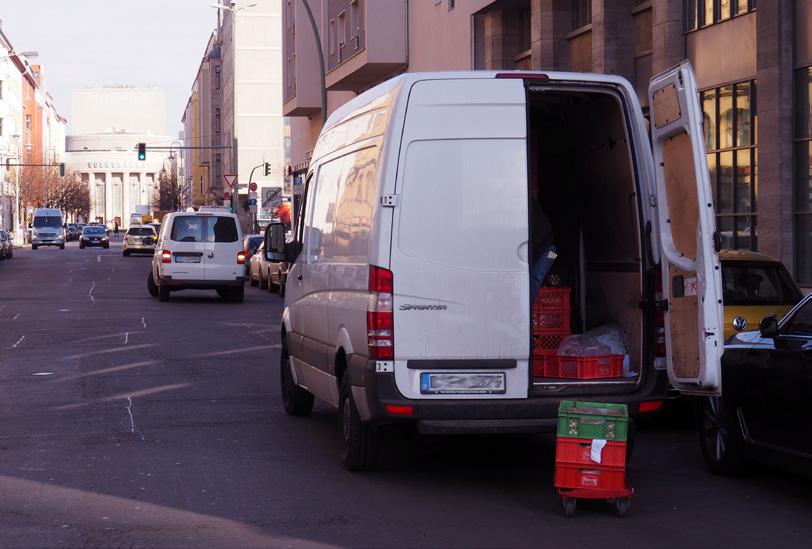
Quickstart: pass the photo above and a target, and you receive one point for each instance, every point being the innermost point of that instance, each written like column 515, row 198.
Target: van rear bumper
column 455, row 416
column 188, row 284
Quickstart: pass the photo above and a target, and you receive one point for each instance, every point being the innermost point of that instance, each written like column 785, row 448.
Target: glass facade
column 701, row 13
column 730, row 139
column 803, row 175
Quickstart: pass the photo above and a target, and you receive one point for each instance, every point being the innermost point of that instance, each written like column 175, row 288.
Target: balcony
column 359, row 56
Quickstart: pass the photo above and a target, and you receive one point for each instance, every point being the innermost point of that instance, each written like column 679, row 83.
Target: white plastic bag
column 606, row 340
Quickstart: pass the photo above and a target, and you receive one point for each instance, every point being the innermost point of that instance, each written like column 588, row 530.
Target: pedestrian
column 543, row 252
column 115, row 229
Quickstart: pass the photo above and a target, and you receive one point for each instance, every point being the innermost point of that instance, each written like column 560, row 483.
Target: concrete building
column 11, row 116
column 754, row 69
column 104, row 156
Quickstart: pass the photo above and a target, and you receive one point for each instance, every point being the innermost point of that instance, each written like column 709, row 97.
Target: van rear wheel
column 360, row 442
column 297, row 401
column 163, row 293
column 152, row 288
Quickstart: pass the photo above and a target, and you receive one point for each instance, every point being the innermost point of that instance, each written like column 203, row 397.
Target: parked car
column 390, row 314
column 278, row 271
column 250, row 244
column 72, row 231
column 764, row 411
column 6, row 245
column 754, row 286
column 256, row 268
column 140, row 239
column 199, row 250
column 94, row 235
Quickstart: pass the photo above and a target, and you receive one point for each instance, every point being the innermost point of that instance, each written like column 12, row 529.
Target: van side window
column 356, row 202
column 323, row 207
column 187, row 228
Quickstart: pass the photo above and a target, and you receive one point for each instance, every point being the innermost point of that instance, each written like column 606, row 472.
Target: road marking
column 16, row 316
column 43, row 374
column 18, row 342
column 130, row 411
column 98, row 258
column 143, row 322
column 90, row 293
column 64, row 310
column 126, row 337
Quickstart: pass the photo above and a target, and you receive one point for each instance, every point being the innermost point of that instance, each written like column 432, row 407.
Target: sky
column 142, row 43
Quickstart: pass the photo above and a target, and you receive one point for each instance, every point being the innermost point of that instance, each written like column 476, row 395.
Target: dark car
column 94, row 235
column 6, row 246
column 765, row 409
column 72, row 231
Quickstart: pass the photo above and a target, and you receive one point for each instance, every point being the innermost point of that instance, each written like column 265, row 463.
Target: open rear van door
column 685, row 215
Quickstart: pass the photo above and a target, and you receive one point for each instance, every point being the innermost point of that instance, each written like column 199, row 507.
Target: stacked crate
column 551, row 324
column 582, row 427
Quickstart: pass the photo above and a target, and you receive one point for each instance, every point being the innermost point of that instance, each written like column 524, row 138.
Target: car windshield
column 748, row 283
column 253, row 244
column 94, row 230
column 50, row 222
column 192, row 228
column 140, row 231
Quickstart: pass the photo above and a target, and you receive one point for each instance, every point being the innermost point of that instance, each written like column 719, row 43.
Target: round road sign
column 252, row 187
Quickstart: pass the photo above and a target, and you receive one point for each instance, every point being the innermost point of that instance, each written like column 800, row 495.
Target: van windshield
column 50, row 221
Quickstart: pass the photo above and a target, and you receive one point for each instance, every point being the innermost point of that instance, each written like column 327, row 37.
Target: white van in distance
column 47, row 228
column 408, row 294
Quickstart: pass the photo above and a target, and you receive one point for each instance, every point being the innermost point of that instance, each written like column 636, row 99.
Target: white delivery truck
column 408, row 293
column 47, row 228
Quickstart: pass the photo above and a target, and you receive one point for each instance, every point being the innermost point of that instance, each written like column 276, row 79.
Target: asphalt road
column 129, row 422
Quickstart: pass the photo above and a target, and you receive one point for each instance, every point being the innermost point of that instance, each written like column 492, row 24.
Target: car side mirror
column 768, row 327
column 275, row 242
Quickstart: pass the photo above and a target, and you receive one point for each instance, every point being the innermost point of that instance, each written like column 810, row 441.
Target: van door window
column 323, row 209
column 188, row 228
column 222, row 229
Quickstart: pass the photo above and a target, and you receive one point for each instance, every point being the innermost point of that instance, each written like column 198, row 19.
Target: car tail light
column 651, row 406
column 166, row 256
column 659, row 343
column 400, row 410
column 380, row 316
column 241, row 257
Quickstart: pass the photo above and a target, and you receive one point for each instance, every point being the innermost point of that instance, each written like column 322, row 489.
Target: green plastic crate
column 592, row 420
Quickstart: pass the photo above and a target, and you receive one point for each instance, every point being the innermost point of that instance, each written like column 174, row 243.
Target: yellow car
column 755, row 286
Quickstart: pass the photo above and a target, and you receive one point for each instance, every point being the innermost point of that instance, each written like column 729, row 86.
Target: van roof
column 362, row 102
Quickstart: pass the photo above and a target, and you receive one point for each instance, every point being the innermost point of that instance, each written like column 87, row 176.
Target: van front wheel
column 360, row 442
column 297, row 401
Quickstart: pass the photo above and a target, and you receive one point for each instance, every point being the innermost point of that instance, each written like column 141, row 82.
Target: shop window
column 803, row 175
column 729, row 116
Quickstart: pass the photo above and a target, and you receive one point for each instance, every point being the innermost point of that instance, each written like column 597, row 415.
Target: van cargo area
column 582, row 168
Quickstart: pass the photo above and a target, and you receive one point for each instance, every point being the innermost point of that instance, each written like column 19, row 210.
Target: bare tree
column 42, row 187
column 168, row 194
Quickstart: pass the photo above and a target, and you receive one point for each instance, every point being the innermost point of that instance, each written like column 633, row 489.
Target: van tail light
column 241, row 257
column 659, row 343
column 400, row 410
column 380, row 315
column 166, row 256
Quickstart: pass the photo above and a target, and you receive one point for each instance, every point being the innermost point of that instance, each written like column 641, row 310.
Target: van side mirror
column 275, row 242
column 768, row 327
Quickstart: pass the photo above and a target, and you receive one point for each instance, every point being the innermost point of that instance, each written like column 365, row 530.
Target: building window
column 218, row 166
column 331, row 38
column 701, row 13
column 730, row 139
column 217, row 120
column 217, row 77
column 355, row 25
column 581, row 13
column 524, row 30
column 803, row 175
column 28, row 122
column 1, row 89
column 451, row 4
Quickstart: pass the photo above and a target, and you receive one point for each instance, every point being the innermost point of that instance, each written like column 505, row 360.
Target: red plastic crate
column 577, row 451
column 544, row 321
column 547, row 343
column 590, row 367
column 590, row 477
column 553, row 299
column 545, row 365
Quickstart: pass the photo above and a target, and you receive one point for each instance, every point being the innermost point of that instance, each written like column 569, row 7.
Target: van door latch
column 389, row 200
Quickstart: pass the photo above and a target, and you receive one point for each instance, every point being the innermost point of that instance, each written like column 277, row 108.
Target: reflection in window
column 803, row 175
column 730, row 123
column 700, row 13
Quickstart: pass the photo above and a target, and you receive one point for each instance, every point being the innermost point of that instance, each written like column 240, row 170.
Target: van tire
column 152, row 288
column 163, row 293
column 237, row 295
column 720, row 437
column 360, row 442
column 296, row 401
column 282, row 281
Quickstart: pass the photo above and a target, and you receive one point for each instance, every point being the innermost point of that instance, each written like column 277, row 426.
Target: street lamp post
column 322, row 77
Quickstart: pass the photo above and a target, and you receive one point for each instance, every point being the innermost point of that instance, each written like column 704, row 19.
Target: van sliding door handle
column 299, row 277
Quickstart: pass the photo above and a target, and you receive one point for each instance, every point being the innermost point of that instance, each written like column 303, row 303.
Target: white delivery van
column 199, row 251
column 408, row 294
column 47, row 228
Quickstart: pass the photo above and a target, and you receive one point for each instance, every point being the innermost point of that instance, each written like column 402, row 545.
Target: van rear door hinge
column 389, row 200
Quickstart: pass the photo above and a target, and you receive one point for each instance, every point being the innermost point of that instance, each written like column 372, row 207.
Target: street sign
column 252, row 187
column 231, row 179
column 227, row 195
column 252, row 201
column 271, row 197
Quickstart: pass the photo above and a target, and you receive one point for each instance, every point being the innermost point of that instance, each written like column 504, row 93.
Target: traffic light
column 267, row 169
column 61, row 169
column 142, row 151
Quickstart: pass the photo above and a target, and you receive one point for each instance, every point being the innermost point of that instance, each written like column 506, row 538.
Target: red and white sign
column 226, row 195
column 252, row 187
column 231, row 179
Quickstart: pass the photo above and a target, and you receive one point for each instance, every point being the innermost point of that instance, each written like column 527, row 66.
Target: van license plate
column 187, row 259
column 462, row 383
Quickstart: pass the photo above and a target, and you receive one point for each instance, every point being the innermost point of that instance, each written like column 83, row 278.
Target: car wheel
column 272, row 287
column 251, row 278
column 107, row 246
column 720, row 437
column 126, row 253
column 282, row 281
column 297, row 401
column 152, row 288
column 263, row 283
column 81, row 246
column 34, row 246
column 163, row 293
column 360, row 442
column 61, row 246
